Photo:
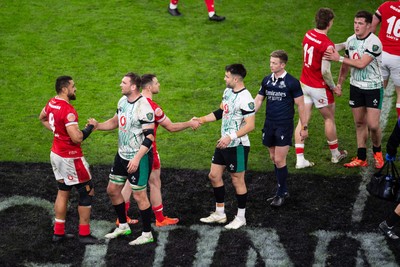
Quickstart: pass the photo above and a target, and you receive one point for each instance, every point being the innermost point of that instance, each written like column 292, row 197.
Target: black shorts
column 365, row 98
column 138, row 180
column 234, row 158
column 277, row 133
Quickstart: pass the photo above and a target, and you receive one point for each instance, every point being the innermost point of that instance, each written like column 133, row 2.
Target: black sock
column 219, row 194
column 281, row 176
column 242, row 200
column 362, row 153
column 120, row 210
column 376, row 149
column 146, row 219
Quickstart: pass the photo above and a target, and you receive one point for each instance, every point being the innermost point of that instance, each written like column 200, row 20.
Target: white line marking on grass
column 359, row 204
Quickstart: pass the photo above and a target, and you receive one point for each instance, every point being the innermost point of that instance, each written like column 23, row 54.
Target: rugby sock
column 299, row 152
column 242, row 200
column 392, row 219
column 120, row 210
column 127, row 206
column 84, row 229
column 281, row 175
column 241, row 214
column 398, row 109
column 59, row 227
column 376, row 149
column 334, row 147
column 173, row 4
column 219, row 194
column 158, row 212
column 362, row 153
column 220, row 210
column 210, row 7
column 146, row 219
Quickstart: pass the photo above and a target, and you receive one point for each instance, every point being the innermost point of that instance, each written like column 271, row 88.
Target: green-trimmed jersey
column 131, row 117
column 236, row 106
column 370, row 77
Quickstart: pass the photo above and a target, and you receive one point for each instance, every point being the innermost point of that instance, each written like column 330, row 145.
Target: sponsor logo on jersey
column 71, row 117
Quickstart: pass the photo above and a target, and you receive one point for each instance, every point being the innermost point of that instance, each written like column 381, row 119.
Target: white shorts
column 391, row 67
column 320, row 97
column 71, row 170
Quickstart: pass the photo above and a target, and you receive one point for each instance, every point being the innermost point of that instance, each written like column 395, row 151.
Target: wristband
column 232, row 135
column 341, row 59
column 87, row 131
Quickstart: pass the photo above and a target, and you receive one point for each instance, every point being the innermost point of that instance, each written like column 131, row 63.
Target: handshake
column 193, row 123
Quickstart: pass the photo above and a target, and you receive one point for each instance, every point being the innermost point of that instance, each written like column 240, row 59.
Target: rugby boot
column 214, row 218
column 355, row 162
column 379, row 162
column 88, row 239
column 167, row 221
column 119, row 231
column 342, row 155
column 60, row 238
column 143, row 239
column 174, row 12
column 236, row 223
column 304, row 164
column 217, row 18
column 388, row 231
column 128, row 221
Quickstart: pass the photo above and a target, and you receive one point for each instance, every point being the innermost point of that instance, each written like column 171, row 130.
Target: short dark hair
column 281, row 54
column 147, row 79
column 135, row 79
column 364, row 14
column 62, row 81
column 323, row 17
column 236, row 69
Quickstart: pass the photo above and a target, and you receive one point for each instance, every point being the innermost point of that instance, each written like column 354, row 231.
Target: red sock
column 210, row 5
column 84, row 229
column 299, row 150
column 334, row 146
column 398, row 109
column 158, row 212
column 59, row 227
column 174, row 2
column 127, row 205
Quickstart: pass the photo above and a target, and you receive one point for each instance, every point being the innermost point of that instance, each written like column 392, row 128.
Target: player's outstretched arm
column 108, row 125
column 179, row 126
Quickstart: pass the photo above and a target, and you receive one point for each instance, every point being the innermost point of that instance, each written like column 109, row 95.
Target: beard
column 72, row 96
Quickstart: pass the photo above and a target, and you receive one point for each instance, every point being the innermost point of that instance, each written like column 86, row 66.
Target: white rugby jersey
column 369, row 77
column 131, row 117
column 236, row 107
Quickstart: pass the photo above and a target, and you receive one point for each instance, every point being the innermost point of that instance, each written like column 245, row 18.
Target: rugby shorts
column 234, row 158
column 320, row 97
column 71, row 170
column 138, row 180
column 365, row 98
